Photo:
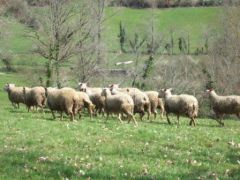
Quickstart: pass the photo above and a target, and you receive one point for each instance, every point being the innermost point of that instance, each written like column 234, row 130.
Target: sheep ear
column 79, row 83
column 127, row 90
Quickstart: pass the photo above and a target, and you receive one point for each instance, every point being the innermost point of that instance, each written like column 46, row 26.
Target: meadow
column 33, row 146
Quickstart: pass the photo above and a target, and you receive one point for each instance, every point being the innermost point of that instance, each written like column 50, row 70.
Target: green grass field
column 33, row 146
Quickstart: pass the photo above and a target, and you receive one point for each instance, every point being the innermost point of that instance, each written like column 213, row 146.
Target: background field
column 194, row 21
column 33, row 146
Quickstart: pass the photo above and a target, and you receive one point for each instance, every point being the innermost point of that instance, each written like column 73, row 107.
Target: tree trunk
column 57, row 66
column 49, row 73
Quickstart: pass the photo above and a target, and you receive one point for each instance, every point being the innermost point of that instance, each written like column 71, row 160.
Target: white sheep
column 182, row 104
column 155, row 102
column 15, row 94
column 34, row 97
column 95, row 96
column 224, row 105
column 140, row 99
column 62, row 100
column 119, row 104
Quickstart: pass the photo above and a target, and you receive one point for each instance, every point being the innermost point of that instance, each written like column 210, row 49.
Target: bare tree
column 58, row 37
column 224, row 61
column 98, row 15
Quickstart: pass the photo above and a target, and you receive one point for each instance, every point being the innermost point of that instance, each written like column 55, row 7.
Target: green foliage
column 182, row 45
column 136, row 43
column 148, row 68
column 210, row 83
column 122, row 36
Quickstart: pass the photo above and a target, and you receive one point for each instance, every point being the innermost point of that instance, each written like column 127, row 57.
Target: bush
column 38, row 2
column 7, row 60
column 17, row 8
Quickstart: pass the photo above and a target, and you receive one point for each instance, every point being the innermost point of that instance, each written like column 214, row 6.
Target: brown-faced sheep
column 155, row 102
column 119, row 104
column 15, row 94
column 62, row 100
column 183, row 104
column 34, row 97
column 224, row 105
column 140, row 99
column 95, row 96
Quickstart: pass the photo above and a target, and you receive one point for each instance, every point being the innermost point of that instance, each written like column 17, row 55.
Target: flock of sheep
column 124, row 102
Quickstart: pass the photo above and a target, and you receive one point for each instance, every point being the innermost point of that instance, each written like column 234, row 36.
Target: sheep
column 84, row 101
column 182, row 104
column 119, row 104
column 15, row 94
column 224, row 105
column 62, row 100
column 34, row 97
column 95, row 96
column 155, row 102
column 141, row 100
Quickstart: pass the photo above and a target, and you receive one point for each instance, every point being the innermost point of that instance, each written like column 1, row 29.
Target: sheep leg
column 149, row 113
column 102, row 112
column 238, row 115
column 107, row 116
column 168, row 119
column 192, row 122
column 134, row 120
column 71, row 116
column 13, row 104
column 178, row 120
column 162, row 111
column 219, row 119
column 155, row 113
column 80, row 114
column 90, row 112
column 119, row 117
column 141, row 115
column 61, row 116
column 53, row 115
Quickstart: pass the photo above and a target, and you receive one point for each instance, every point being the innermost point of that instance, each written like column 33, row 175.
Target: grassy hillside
column 193, row 20
column 33, row 146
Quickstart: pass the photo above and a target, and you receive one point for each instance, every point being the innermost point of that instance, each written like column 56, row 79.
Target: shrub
column 17, row 8
column 7, row 60
column 38, row 2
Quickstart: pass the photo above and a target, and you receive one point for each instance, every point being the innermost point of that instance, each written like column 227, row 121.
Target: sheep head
column 113, row 86
column 82, row 86
column 105, row 92
column 8, row 86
